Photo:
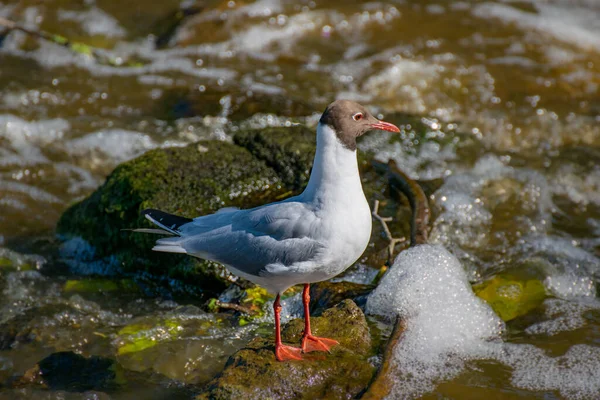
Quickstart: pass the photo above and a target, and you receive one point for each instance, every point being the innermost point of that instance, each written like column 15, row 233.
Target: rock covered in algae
column 288, row 151
column 253, row 372
column 511, row 297
column 189, row 181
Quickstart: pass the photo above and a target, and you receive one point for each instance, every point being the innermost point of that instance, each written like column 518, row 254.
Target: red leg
column 310, row 342
column 283, row 352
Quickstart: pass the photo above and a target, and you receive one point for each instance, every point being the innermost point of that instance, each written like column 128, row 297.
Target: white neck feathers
column 335, row 169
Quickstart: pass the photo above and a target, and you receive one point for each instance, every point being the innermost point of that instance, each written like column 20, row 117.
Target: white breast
column 336, row 191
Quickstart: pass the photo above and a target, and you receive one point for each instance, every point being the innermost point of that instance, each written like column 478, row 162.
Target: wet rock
column 253, row 372
column 288, row 151
column 167, row 344
column 511, row 297
column 15, row 330
column 72, row 372
column 326, row 294
column 190, row 181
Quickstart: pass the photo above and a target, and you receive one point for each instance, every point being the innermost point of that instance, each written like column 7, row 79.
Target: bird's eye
column 357, row 116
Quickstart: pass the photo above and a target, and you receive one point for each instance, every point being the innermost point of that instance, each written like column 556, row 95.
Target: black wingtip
column 147, row 211
column 169, row 220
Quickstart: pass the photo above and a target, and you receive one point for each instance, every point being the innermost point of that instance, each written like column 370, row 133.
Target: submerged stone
column 73, row 372
column 253, row 372
column 511, row 297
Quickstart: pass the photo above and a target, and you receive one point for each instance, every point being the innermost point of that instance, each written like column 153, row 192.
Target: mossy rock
column 253, row 372
column 288, row 151
column 189, row 181
column 510, row 296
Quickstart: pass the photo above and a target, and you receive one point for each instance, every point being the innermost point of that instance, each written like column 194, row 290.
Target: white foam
column 569, row 268
column 564, row 22
column 116, row 145
column 562, row 316
column 445, row 321
column 260, row 37
column 50, row 55
column 447, row 326
column 261, row 8
column 35, row 193
column 94, row 22
column 25, row 138
column 429, row 160
column 575, row 375
column 407, row 80
column 467, row 202
column 581, row 186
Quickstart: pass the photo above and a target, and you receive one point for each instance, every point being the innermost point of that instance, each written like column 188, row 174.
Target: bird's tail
column 169, row 224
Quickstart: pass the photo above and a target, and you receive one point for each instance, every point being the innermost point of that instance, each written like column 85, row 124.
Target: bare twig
column 388, row 235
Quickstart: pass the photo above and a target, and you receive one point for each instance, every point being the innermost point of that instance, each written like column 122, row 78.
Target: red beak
column 385, row 126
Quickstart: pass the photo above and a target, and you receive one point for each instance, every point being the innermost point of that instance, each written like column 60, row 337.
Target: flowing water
column 521, row 191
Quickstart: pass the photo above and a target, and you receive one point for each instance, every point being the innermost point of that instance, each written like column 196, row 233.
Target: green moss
column 137, row 337
column 253, row 372
column 511, row 297
column 189, row 181
column 255, row 298
column 15, row 263
column 5, row 262
column 289, row 151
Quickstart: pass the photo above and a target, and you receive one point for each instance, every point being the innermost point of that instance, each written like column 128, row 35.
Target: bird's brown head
column 350, row 120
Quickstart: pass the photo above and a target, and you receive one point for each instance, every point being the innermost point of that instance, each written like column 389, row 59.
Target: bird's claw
column 314, row 343
column 285, row 353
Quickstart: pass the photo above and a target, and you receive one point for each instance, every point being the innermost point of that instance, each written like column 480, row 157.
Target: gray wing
column 249, row 240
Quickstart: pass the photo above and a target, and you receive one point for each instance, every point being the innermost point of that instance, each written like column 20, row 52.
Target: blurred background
column 509, row 91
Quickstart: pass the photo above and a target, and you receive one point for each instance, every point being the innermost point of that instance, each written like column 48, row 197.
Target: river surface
column 521, row 191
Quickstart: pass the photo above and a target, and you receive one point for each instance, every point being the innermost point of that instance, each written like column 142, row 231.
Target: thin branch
column 388, row 234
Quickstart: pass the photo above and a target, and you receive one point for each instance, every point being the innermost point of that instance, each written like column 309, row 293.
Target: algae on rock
column 189, row 181
column 253, row 372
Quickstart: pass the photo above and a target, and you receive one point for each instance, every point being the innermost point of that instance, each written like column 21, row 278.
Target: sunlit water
column 521, row 188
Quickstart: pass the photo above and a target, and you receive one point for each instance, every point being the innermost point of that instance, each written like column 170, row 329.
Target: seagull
column 304, row 239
